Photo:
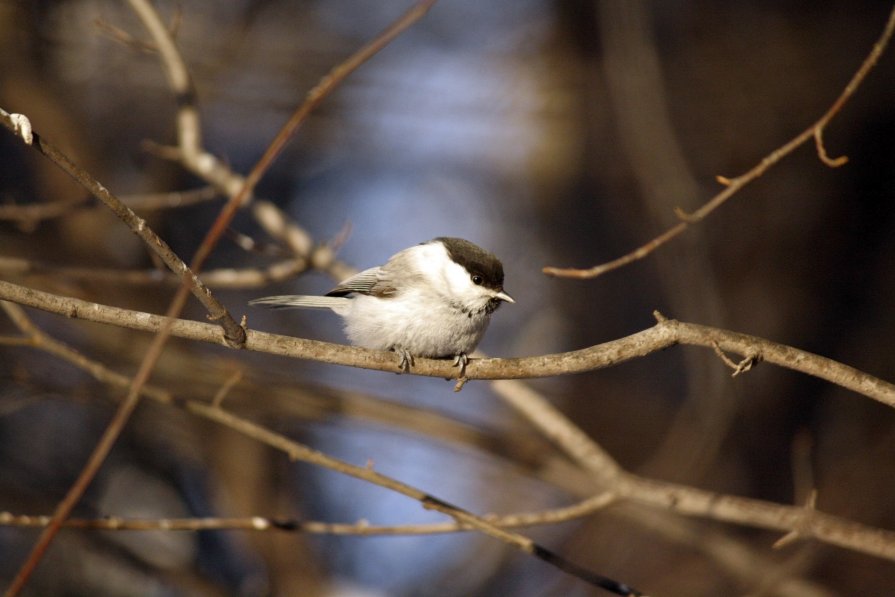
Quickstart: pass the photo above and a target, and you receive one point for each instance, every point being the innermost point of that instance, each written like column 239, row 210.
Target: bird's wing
column 370, row 281
column 297, row 301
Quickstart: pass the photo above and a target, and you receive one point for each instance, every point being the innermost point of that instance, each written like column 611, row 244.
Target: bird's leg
column 406, row 361
column 460, row 360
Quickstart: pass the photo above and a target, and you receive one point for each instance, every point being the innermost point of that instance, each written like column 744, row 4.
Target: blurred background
column 550, row 132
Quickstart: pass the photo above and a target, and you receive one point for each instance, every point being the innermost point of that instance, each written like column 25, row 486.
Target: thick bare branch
column 664, row 334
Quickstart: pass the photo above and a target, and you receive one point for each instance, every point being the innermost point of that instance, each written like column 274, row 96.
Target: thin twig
column 262, row 523
column 691, row 501
column 28, row 215
column 297, row 451
column 228, row 385
column 36, row 338
column 733, row 185
column 215, row 309
column 279, row 271
column 328, row 83
column 557, row 428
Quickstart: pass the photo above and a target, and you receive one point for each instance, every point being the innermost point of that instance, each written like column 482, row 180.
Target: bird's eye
column 477, row 279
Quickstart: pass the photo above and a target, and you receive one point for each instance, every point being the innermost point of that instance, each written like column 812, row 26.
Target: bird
column 433, row 300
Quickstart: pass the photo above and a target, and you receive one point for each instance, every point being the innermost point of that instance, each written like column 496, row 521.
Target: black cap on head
column 475, row 259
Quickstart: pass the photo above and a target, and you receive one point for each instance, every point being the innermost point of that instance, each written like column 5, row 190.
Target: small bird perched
column 433, row 300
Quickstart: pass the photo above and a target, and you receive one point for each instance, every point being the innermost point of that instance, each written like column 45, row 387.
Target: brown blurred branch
column 733, row 185
column 28, row 215
column 691, row 501
column 170, row 199
column 804, row 522
column 192, row 156
column 328, row 83
column 303, row 253
column 278, row 271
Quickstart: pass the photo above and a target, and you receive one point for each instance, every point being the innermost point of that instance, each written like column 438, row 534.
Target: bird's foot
column 461, row 360
column 406, row 361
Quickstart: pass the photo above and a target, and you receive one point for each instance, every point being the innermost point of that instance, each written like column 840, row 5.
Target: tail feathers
column 296, row 301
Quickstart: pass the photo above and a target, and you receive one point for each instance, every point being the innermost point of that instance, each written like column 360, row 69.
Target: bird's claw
column 461, row 360
column 406, row 361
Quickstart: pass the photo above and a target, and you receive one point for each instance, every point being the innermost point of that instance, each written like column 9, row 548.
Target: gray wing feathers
column 370, row 281
column 297, row 301
column 374, row 282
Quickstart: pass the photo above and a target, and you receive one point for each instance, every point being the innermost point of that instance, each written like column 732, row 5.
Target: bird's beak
column 504, row 297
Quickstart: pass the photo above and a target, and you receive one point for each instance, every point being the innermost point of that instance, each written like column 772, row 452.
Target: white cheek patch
column 457, row 278
column 444, row 272
column 445, row 275
column 431, row 259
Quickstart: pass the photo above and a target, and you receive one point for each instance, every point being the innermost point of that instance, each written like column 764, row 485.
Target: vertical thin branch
column 328, row 83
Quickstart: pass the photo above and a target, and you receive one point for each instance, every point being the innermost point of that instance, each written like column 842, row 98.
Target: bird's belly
column 441, row 331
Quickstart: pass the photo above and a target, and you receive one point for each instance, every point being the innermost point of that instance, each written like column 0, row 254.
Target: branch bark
column 666, row 333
